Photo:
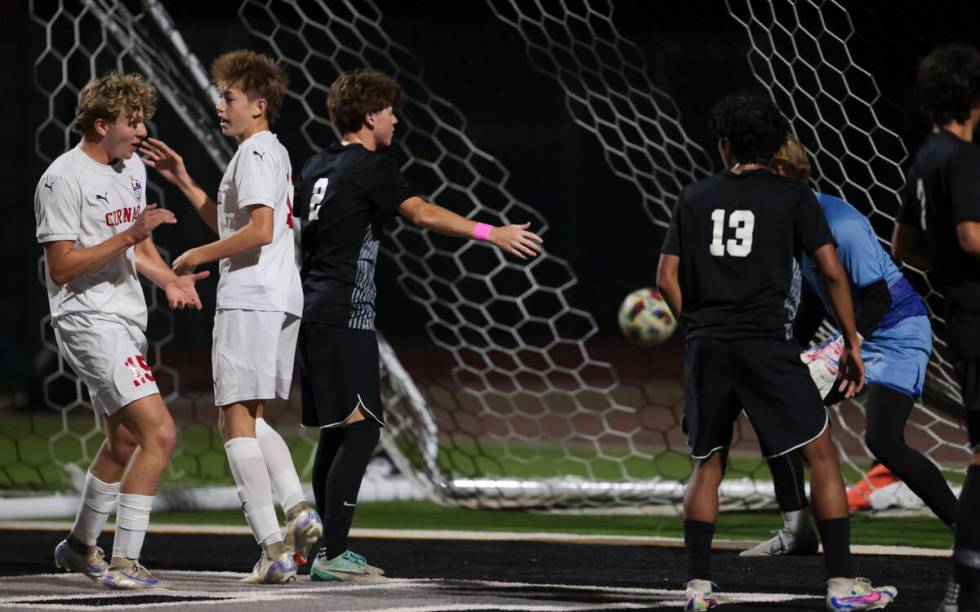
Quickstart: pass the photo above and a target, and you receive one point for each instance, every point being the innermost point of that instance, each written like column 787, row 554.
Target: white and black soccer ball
column 645, row 319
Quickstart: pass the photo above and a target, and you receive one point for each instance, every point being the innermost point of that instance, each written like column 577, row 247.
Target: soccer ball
column 645, row 319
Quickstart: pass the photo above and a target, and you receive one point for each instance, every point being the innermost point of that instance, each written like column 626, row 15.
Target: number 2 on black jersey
column 319, row 192
column 743, row 222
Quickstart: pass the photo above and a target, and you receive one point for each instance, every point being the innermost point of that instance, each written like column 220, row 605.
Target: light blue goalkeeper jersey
column 897, row 353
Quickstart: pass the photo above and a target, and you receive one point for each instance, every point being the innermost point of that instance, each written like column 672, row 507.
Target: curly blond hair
column 358, row 93
column 256, row 74
column 108, row 96
column 792, row 158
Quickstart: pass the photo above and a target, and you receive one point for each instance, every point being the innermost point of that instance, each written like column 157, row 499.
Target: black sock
column 787, row 480
column 343, row 482
column 326, row 450
column 697, row 540
column 966, row 552
column 888, row 411
column 835, row 534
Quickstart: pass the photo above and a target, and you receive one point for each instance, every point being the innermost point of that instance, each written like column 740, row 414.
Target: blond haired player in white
column 260, row 302
column 95, row 226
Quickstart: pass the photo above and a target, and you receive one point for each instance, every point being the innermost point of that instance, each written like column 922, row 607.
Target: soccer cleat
column 279, row 570
column 91, row 564
column 700, row 595
column 129, row 575
column 858, row 594
column 301, row 534
column 797, row 537
column 345, row 567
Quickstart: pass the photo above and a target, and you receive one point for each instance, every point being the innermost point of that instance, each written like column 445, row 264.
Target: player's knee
column 883, row 447
column 121, row 449
column 166, row 437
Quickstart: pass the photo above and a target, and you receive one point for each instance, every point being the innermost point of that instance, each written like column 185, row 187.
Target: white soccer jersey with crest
column 81, row 200
column 265, row 278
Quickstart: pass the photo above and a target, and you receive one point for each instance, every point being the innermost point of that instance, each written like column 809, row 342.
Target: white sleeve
column 256, row 177
column 57, row 209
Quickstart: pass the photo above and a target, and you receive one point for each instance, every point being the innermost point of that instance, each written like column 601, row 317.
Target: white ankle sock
column 97, row 503
column 254, row 488
column 279, row 462
column 132, row 519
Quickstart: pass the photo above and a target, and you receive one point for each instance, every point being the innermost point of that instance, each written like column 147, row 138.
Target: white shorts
column 252, row 355
column 109, row 355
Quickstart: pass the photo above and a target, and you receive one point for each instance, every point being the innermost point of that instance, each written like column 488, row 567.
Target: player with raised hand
column 897, row 334
column 346, row 192
column 939, row 227
column 96, row 231
column 259, row 303
column 726, row 271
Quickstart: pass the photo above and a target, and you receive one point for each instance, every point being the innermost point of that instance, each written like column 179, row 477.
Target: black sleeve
column 809, row 316
column 672, row 241
column 812, row 231
column 910, row 213
column 872, row 303
column 963, row 171
column 385, row 185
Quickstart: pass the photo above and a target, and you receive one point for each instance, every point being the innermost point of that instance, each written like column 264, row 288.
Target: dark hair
column 358, row 93
column 752, row 123
column 256, row 74
column 947, row 83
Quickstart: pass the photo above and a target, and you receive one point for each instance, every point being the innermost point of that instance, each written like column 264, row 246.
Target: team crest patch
column 137, row 189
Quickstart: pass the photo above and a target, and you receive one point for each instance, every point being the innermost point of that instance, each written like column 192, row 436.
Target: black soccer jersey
column 943, row 190
column 736, row 236
column 344, row 194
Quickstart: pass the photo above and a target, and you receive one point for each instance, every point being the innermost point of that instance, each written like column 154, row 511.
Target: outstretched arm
column 514, row 239
column 256, row 233
column 157, row 155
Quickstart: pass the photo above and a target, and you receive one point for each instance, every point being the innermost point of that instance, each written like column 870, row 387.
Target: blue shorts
column 897, row 357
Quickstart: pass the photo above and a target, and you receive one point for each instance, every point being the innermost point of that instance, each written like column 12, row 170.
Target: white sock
column 279, row 462
column 254, row 488
column 132, row 519
column 97, row 503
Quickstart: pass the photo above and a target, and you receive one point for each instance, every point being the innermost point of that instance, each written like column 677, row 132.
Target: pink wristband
column 482, row 231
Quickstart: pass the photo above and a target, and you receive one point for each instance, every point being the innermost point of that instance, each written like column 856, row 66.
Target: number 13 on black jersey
column 743, row 222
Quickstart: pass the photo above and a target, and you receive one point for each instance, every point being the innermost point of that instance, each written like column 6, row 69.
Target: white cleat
column 280, row 570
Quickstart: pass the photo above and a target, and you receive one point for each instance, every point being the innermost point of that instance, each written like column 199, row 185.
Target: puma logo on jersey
column 49, row 187
column 261, row 156
column 103, row 196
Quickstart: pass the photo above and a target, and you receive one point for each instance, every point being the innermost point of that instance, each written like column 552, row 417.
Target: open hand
column 149, row 220
column 516, row 240
column 181, row 292
column 168, row 163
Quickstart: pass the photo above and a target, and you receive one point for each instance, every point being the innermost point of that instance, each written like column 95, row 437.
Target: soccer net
column 527, row 415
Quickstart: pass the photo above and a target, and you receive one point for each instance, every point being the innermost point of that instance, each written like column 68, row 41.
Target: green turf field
column 923, row 531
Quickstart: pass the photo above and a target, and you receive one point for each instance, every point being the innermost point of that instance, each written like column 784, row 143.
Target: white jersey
column 81, row 200
column 265, row 278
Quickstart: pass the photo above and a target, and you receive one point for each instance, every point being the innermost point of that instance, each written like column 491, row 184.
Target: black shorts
column 968, row 375
column 339, row 372
column 766, row 378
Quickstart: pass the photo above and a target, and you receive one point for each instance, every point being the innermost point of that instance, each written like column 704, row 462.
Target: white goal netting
column 527, row 416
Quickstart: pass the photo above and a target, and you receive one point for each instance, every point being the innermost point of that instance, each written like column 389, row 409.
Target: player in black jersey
column 345, row 193
column 726, row 271
column 939, row 228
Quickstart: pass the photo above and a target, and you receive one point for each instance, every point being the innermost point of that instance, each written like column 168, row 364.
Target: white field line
column 484, row 536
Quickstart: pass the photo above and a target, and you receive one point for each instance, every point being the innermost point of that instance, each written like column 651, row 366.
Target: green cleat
column 346, row 567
